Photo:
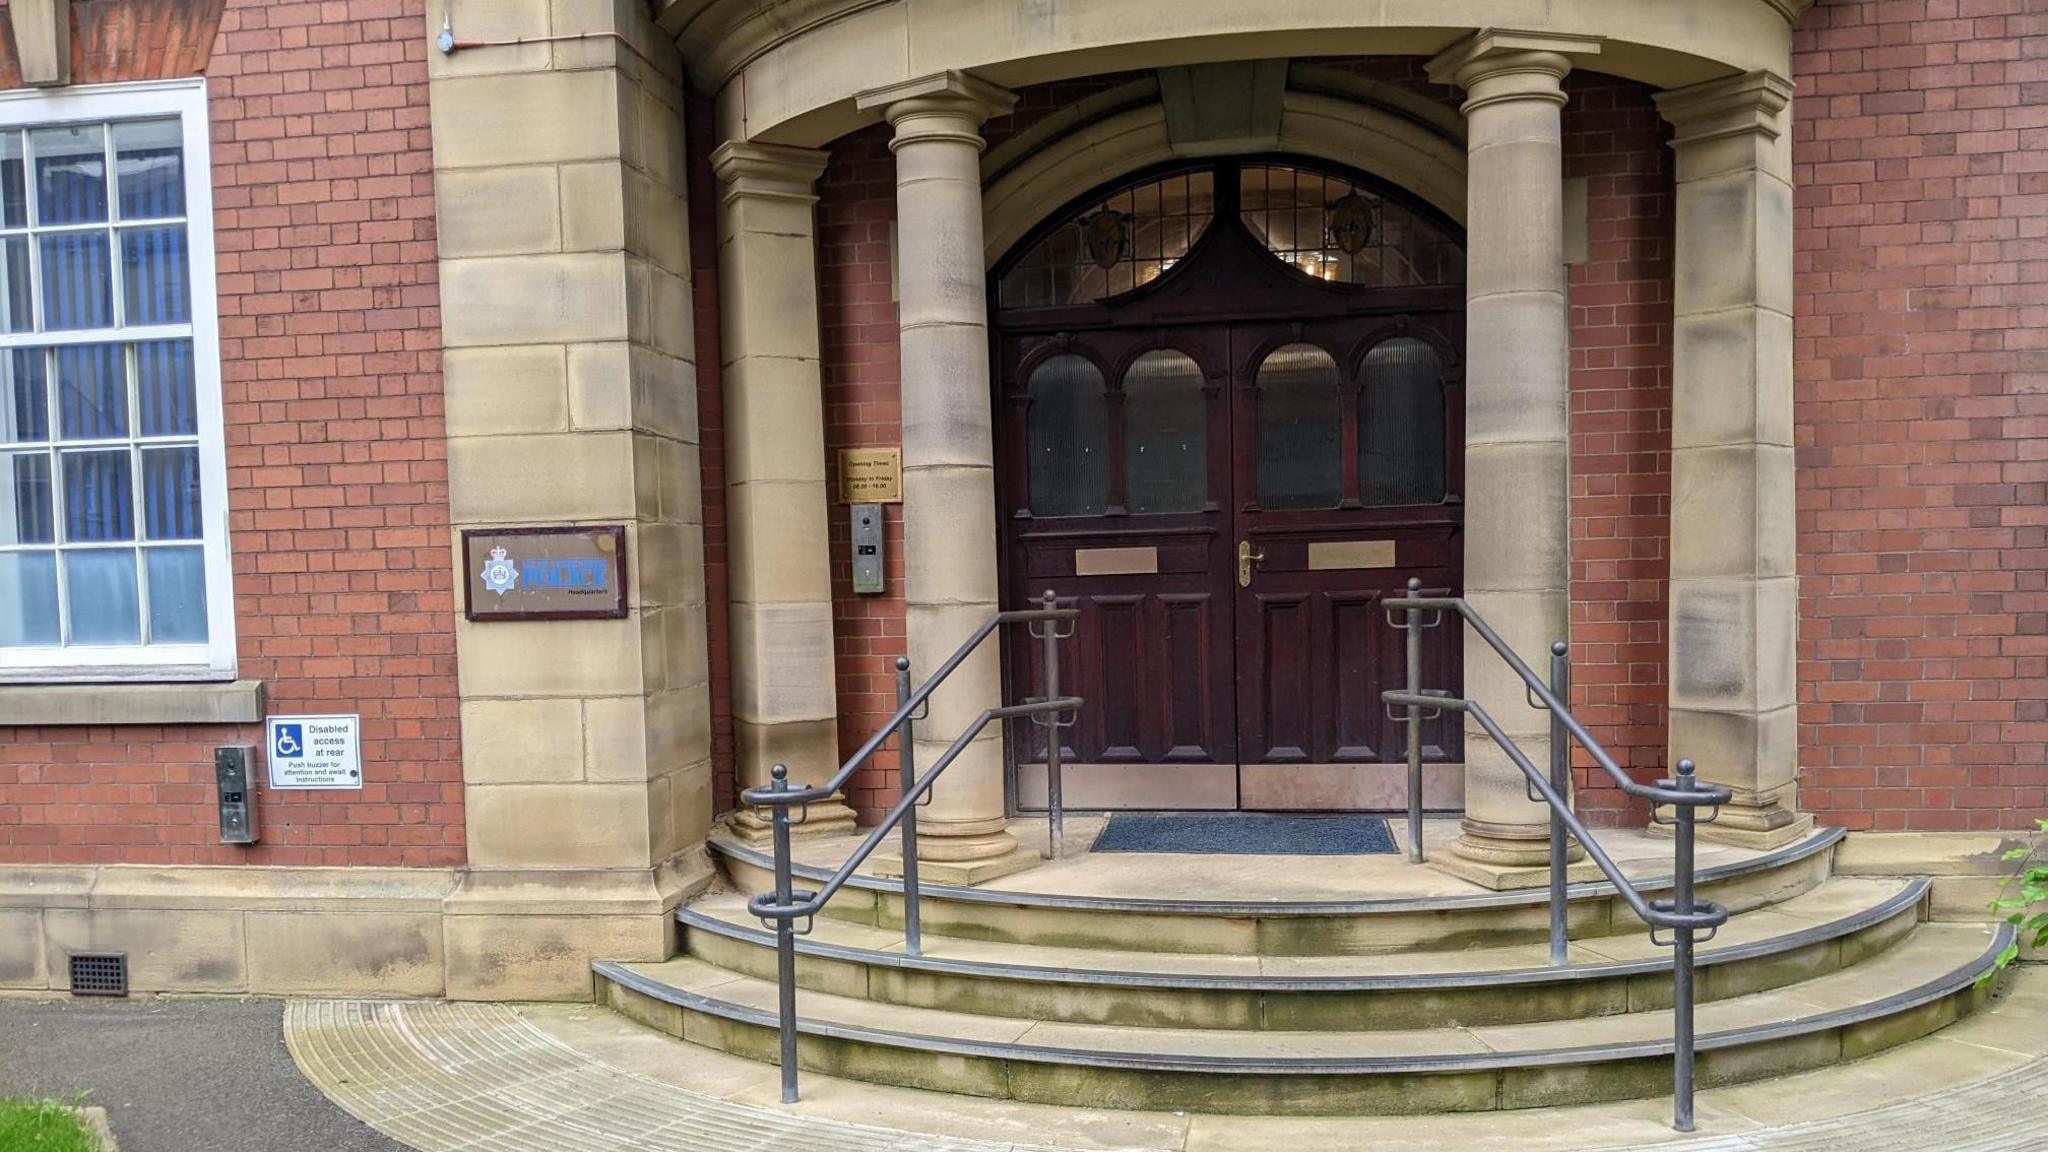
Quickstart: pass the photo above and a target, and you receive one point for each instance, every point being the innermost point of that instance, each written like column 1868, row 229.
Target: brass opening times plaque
column 871, row 475
column 545, row 573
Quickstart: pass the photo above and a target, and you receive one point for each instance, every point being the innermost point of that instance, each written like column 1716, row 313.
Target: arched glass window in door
column 1401, row 424
column 1334, row 228
column 1123, row 241
column 1301, row 429
column 1166, row 436
column 1068, row 435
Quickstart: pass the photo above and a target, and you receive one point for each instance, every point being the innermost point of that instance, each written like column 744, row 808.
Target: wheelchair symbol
column 290, row 741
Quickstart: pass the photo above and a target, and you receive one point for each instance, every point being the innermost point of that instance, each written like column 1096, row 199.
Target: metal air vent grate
column 99, row 974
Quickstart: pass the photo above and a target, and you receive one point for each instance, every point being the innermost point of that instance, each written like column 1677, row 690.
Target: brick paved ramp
column 485, row 1078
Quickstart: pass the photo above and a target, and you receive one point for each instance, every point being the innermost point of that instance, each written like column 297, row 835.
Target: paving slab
column 575, row 1078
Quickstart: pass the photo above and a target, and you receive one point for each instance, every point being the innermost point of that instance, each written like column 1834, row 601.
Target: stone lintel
column 1493, row 48
column 768, row 170
column 971, row 95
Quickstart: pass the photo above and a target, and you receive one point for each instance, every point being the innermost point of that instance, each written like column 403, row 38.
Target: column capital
column 934, row 105
column 771, row 171
column 1536, row 62
column 1726, row 107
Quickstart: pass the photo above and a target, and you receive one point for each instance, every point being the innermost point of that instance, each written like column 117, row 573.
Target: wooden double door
column 1230, row 504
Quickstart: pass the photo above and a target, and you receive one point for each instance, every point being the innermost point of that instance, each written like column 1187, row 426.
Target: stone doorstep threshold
column 1982, row 1083
column 1822, row 840
column 1898, row 903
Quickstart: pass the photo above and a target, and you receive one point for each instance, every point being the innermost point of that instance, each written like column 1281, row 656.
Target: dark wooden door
column 1235, row 394
column 1338, row 503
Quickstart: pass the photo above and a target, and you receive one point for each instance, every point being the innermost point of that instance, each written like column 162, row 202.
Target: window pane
column 92, row 392
column 155, row 275
column 170, row 493
column 1166, row 443
column 1401, row 424
column 1128, row 238
column 99, row 497
column 104, row 601
column 1301, row 440
column 25, row 500
column 1069, row 439
column 166, row 392
column 78, row 288
column 149, row 164
column 177, row 595
column 13, row 183
column 17, row 299
column 28, row 600
column 71, row 174
column 24, row 396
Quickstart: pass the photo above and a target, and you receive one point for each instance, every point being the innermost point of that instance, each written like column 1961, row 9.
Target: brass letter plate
column 1325, row 555
column 1116, row 561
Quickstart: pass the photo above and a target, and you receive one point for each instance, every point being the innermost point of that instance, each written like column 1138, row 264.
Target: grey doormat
column 1247, row 834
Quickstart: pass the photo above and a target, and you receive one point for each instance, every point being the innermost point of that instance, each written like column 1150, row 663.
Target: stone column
column 570, row 394
column 949, row 526
column 784, row 704
column 1734, row 586
column 1517, row 455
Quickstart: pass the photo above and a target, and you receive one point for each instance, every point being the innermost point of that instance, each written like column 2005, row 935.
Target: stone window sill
column 236, row 702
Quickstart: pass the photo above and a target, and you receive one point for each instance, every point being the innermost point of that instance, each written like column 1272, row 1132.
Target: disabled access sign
column 319, row 752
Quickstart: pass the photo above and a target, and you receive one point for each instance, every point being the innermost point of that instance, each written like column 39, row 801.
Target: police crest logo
column 1351, row 223
column 1106, row 236
column 500, row 574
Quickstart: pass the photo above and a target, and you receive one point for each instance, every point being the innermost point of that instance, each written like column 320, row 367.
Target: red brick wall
column 702, row 133
column 330, row 339
column 1620, row 433
column 863, row 376
column 114, row 40
column 1921, row 338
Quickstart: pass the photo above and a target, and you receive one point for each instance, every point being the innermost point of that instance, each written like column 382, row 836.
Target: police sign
column 318, row 752
column 545, row 573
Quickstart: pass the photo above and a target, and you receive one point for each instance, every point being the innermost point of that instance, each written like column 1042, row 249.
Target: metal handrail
column 782, row 908
column 1682, row 915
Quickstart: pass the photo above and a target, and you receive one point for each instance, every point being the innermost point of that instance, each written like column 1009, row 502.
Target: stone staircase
column 1402, row 1005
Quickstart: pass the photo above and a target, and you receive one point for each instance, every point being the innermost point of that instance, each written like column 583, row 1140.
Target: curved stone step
column 1281, row 927
column 1923, row 983
column 1842, row 922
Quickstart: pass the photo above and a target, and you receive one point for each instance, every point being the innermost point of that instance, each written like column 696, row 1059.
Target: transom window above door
column 1325, row 225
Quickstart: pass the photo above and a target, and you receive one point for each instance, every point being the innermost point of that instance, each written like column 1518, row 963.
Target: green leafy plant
column 2031, row 880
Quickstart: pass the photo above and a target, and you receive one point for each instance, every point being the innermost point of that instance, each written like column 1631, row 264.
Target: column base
column 826, row 818
column 1753, row 828
column 957, row 873
column 1503, row 858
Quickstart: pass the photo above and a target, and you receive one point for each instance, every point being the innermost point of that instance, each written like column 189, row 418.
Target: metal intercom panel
column 867, row 549
column 234, row 777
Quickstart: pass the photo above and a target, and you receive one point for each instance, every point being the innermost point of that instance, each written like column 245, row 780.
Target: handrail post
column 906, row 764
column 1416, row 853
column 1055, row 806
column 785, row 938
column 1561, row 783
column 1681, row 954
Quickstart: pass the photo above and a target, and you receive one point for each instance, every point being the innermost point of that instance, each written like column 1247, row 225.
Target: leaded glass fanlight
column 1331, row 227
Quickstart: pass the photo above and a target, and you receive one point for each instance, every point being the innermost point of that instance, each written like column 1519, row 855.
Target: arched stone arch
column 1394, row 147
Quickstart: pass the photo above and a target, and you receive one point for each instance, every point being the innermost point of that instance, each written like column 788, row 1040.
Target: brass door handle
column 1245, row 559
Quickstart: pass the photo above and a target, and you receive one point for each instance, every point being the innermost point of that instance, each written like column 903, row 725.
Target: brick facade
column 1921, row 340
column 330, row 339
column 1620, row 433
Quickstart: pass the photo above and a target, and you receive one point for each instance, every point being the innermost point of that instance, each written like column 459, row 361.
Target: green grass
column 42, row 1126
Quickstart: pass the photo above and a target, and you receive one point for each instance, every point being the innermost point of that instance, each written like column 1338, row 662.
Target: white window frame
column 149, row 100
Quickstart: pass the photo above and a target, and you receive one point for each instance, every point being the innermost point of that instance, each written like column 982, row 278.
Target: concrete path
column 176, row 1075
column 573, row 1078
